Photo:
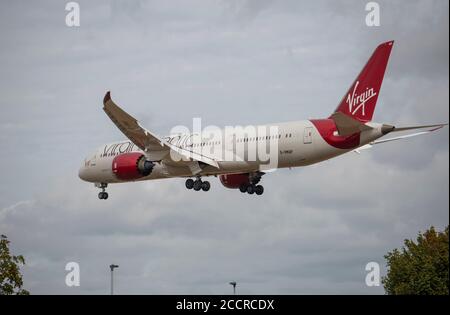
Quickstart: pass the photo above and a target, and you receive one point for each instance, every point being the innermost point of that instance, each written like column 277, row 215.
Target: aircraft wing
column 434, row 128
column 156, row 148
column 130, row 127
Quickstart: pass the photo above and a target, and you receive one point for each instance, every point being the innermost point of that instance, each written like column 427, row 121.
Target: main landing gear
column 197, row 184
column 252, row 187
column 103, row 194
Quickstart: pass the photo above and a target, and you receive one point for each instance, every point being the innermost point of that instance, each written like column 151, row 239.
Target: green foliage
column 421, row 267
column 10, row 278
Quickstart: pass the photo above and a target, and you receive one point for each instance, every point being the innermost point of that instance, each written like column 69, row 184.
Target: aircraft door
column 307, row 135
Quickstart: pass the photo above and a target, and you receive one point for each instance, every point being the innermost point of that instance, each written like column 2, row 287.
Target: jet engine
column 131, row 166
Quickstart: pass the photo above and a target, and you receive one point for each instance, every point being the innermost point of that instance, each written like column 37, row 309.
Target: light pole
column 233, row 283
column 112, row 271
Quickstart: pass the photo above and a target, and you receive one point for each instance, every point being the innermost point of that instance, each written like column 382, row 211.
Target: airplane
column 239, row 156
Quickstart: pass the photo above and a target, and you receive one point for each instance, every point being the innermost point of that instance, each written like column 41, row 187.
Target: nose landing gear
column 103, row 194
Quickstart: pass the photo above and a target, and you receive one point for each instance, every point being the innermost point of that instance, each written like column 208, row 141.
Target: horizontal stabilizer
column 437, row 126
column 371, row 144
column 346, row 125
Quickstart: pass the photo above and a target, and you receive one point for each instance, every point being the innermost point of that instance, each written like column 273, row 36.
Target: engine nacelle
column 131, row 166
column 235, row 181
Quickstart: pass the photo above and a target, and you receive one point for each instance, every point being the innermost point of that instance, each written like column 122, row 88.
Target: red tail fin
column 361, row 99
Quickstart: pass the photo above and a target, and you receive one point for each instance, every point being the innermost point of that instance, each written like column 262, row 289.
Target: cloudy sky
column 231, row 63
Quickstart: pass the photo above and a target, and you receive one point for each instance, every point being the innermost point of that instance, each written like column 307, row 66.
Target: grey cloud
column 240, row 62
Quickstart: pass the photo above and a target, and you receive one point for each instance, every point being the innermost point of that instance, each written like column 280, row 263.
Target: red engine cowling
column 131, row 166
column 234, row 180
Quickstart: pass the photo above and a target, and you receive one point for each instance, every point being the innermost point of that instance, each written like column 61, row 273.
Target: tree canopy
column 10, row 277
column 419, row 267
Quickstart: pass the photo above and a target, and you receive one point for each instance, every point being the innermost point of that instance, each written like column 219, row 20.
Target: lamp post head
column 233, row 283
column 113, row 266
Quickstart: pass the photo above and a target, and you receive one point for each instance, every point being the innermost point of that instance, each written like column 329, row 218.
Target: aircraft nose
column 82, row 173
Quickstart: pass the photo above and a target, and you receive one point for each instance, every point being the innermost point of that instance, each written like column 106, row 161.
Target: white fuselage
column 292, row 144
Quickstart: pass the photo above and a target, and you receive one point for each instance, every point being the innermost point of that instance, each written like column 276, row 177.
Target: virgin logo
column 358, row 101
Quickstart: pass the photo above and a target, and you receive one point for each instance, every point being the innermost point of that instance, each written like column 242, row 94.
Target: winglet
column 107, row 97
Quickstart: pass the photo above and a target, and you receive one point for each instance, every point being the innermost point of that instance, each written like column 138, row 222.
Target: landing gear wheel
column 259, row 190
column 243, row 188
column 206, row 186
column 251, row 189
column 197, row 185
column 189, row 183
column 103, row 195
